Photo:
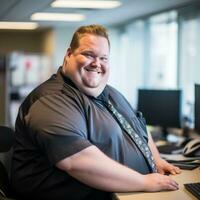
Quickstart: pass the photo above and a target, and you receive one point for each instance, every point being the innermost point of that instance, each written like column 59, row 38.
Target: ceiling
column 21, row 10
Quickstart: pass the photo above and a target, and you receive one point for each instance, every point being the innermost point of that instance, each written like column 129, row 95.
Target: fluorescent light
column 57, row 17
column 18, row 25
column 86, row 4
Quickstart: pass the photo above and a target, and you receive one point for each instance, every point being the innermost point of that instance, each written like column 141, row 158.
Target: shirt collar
column 66, row 79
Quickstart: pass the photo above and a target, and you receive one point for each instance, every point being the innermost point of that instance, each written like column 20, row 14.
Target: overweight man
column 78, row 138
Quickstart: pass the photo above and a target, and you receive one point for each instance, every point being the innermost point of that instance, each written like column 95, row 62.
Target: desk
column 187, row 176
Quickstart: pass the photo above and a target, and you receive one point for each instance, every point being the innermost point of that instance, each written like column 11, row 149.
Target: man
column 69, row 145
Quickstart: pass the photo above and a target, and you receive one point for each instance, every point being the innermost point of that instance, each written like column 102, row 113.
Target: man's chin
column 91, row 84
column 92, row 91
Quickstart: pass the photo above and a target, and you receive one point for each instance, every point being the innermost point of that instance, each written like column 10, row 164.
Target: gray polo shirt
column 56, row 121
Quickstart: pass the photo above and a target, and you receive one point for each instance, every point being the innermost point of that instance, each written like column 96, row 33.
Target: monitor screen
column 197, row 107
column 160, row 107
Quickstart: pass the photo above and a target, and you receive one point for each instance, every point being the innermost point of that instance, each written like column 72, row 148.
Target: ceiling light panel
column 18, row 25
column 86, row 4
column 57, row 17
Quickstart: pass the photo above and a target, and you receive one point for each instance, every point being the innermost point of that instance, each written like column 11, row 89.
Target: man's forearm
column 95, row 169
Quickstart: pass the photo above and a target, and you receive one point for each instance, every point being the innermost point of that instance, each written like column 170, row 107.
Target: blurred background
column 155, row 44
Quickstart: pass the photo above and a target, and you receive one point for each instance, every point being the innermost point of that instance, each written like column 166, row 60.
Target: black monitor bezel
column 197, row 107
column 178, row 113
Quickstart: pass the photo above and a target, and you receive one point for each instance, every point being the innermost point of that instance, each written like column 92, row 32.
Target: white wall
column 126, row 61
column 62, row 40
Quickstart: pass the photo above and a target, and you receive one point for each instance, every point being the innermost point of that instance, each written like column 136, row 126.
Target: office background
column 155, row 44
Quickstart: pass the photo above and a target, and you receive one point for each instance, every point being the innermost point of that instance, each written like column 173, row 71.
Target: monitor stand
column 165, row 133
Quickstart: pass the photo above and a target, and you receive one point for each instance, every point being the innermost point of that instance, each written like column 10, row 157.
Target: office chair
column 6, row 142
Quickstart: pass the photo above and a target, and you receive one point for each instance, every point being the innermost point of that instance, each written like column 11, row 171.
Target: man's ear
column 69, row 51
column 67, row 55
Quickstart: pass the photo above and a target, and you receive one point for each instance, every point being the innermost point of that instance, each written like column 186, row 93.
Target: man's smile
column 93, row 70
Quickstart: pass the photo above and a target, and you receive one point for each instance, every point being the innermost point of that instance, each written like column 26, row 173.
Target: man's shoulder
column 50, row 86
column 53, row 90
column 114, row 93
column 111, row 90
column 119, row 99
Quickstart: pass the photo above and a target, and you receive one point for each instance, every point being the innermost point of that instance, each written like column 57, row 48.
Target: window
column 189, row 57
column 162, row 51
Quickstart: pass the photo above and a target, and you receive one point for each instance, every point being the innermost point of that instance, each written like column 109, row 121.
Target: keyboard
column 193, row 188
column 169, row 148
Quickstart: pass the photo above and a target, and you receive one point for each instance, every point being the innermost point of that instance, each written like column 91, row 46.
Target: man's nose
column 96, row 62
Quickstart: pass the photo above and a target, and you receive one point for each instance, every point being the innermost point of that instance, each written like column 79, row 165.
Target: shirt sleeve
column 57, row 124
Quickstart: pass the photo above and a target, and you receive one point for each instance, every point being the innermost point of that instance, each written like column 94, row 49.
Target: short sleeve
column 57, row 124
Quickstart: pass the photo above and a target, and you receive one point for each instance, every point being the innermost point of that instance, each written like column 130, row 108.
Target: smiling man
column 78, row 138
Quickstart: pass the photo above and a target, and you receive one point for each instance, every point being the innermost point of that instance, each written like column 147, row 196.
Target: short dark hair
column 93, row 29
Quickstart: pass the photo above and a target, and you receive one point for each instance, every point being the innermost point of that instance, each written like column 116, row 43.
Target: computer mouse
column 192, row 148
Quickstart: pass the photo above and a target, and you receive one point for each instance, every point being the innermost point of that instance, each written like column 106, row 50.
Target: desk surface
column 187, row 176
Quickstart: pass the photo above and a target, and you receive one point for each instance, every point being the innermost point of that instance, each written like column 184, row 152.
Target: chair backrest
column 6, row 138
column 6, row 142
column 4, row 182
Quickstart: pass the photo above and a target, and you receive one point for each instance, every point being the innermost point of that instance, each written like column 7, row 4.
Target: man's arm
column 94, row 168
column 162, row 165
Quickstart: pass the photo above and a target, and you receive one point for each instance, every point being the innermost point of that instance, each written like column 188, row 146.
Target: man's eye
column 105, row 59
column 88, row 55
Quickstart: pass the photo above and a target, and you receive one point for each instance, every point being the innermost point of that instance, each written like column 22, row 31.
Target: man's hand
column 162, row 165
column 165, row 167
column 158, row 182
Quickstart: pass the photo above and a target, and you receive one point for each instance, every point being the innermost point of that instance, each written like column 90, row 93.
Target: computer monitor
column 197, row 108
column 160, row 108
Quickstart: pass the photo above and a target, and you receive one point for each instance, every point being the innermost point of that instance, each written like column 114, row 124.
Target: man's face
column 88, row 65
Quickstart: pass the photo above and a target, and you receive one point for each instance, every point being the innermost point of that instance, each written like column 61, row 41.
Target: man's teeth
column 90, row 70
